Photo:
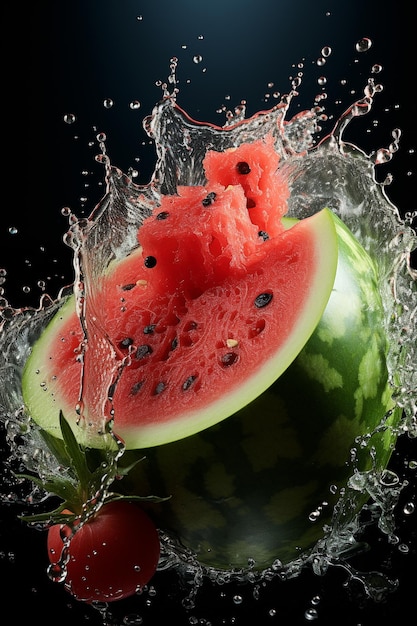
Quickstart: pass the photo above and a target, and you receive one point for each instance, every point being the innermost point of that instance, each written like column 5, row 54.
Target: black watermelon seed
column 148, row 330
column 162, row 215
column 136, row 387
column 263, row 299
column 229, row 358
column 243, row 167
column 209, row 199
column 188, row 382
column 250, row 203
column 150, row 261
column 128, row 287
column 160, row 387
column 125, row 343
column 143, row 351
column 174, row 343
column 263, row 234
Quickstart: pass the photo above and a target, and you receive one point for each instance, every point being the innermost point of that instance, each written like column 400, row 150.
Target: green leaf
column 62, row 488
column 75, row 453
column 57, row 448
column 34, row 479
column 87, row 473
column 124, row 470
column 56, row 516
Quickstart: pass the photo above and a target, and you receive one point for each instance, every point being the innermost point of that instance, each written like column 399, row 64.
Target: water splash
column 321, row 171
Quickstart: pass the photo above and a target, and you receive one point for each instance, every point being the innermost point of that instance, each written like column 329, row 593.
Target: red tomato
column 111, row 556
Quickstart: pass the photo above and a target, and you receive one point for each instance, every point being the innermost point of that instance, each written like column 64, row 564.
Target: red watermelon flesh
column 205, row 237
column 200, row 319
column 253, row 166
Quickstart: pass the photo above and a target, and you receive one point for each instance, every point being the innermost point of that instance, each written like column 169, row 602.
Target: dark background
column 68, row 57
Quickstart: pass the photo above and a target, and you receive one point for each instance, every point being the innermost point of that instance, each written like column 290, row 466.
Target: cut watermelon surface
column 210, row 309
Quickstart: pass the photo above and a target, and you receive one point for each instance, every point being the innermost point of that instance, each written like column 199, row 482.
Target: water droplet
column 314, row 515
column 188, row 603
column 382, row 156
column 102, row 158
column 132, row 620
column 376, row 68
column 389, row 478
column 69, row 118
column 237, row 599
column 13, row 230
column 409, row 508
column 326, row 51
column 403, row 548
column 139, row 18
column 6, row 311
column 56, row 573
column 322, row 80
column 311, row 615
column 363, row 44
column 321, row 61
column 134, row 105
column 197, row 58
column 108, row 103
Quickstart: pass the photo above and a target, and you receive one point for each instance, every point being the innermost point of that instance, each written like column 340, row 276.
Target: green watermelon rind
column 44, row 407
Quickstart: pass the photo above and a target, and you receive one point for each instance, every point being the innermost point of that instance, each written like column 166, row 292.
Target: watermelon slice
column 210, row 309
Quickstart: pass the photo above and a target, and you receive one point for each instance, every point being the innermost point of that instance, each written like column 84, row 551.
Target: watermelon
column 264, row 483
column 199, row 319
column 241, row 352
